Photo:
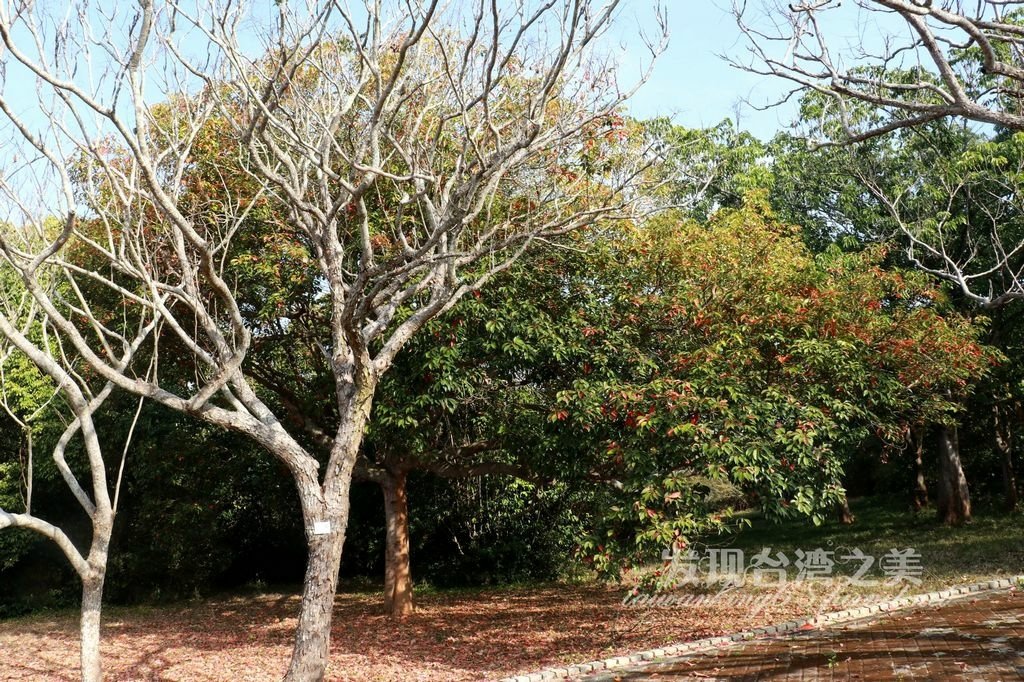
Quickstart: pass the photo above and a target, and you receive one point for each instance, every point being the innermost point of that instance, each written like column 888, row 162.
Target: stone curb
column 709, row 643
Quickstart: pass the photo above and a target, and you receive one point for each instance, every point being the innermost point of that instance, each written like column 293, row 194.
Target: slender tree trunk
column 389, row 566
column 916, row 436
column 92, row 601
column 398, row 597
column 93, row 579
column 954, row 503
column 325, row 512
column 1003, row 436
column 846, row 516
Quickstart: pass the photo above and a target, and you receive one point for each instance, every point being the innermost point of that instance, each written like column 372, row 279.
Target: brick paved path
column 976, row 638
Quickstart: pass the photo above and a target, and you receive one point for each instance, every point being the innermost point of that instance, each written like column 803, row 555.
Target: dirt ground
column 452, row 636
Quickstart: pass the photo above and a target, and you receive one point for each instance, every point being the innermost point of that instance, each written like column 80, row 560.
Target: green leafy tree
column 947, row 198
column 673, row 370
column 755, row 366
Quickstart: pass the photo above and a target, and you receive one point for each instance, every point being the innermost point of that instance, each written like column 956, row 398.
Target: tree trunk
column 1003, row 436
column 325, row 512
column 313, row 633
column 954, row 503
column 920, row 487
column 398, row 598
column 846, row 516
column 92, row 601
column 94, row 575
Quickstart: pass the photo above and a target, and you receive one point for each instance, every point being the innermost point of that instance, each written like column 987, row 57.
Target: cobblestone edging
column 711, row 643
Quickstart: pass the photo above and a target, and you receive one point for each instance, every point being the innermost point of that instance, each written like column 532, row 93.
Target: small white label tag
column 321, row 528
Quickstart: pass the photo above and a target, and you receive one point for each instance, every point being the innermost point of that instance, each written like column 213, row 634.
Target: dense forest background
column 804, row 296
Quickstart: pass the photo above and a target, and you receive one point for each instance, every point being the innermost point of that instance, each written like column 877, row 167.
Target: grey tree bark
column 954, row 500
column 92, row 604
column 920, row 492
column 1002, row 434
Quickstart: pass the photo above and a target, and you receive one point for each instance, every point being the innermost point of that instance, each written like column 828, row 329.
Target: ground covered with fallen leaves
column 452, row 636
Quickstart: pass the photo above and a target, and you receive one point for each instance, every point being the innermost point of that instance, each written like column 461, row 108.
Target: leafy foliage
column 676, row 370
column 754, row 366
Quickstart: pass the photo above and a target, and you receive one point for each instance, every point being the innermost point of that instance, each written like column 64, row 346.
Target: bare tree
column 876, row 67
column 917, row 60
column 27, row 337
column 960, row 218
column 472, row 129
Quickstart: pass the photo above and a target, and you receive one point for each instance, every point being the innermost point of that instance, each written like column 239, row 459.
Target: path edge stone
column 565, row 672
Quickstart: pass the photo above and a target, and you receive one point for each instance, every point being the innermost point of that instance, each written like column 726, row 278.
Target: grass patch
column 990, row 546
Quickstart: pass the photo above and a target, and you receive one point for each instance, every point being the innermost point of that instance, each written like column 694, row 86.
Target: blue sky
column 690, row 82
